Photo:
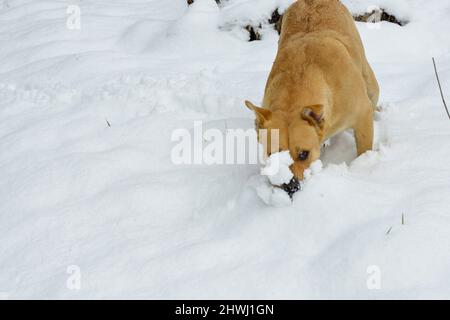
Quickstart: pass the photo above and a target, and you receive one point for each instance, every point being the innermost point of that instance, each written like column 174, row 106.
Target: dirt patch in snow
column 253, row 32
column 378, row 15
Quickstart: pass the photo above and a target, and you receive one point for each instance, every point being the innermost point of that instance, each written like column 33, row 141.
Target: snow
column 315, row 168
column 277, row 169
column 274, row 173
column 269, row 194
column 75, row 191
column 399, row 8
column 245, row 12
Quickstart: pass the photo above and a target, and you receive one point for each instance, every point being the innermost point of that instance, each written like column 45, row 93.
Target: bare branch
column 440, row 88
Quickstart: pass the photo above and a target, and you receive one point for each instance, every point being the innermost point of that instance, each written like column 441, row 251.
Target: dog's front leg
column 364, row 132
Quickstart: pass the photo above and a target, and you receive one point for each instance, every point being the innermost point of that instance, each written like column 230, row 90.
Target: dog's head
column 300, row 132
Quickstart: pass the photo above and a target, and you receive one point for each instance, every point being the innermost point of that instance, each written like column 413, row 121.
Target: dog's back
column 319, row 44
column 319, row 17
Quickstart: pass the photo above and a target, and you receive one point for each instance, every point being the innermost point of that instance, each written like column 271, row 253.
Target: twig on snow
column 440, row 88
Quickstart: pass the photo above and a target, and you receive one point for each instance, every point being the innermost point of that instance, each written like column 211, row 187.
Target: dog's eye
column 303, row 155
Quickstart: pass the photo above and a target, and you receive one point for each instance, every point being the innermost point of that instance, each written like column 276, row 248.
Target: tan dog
column 320, row 84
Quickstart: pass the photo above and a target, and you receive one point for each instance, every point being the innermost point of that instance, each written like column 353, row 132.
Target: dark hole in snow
column 189, row 2
column 253, row 32
column 275, row 17
column 275, row 20
column 292, row 187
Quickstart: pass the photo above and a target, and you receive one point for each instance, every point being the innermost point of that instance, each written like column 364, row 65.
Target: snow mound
column 315, row 168
column 268, row 190
column 399, row 8
column 277, row 169
column 274, row 173
column 244, row 12
column 270, row 195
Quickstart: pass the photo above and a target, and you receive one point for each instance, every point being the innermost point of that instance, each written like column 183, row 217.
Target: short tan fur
column 320, row 84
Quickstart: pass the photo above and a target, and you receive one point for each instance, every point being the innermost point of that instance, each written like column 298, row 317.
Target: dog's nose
column 292, row 187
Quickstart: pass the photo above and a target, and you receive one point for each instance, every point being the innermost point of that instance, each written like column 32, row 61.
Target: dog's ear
column 314, row 115
column 262, row 115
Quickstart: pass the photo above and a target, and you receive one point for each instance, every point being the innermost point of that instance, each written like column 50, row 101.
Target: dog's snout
column 292, row 187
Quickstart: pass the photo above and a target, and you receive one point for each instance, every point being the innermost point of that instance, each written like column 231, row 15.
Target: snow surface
column 86, row 118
